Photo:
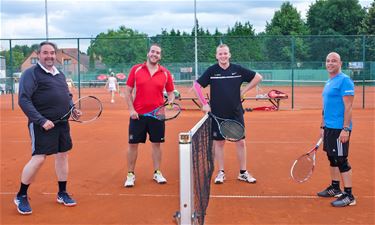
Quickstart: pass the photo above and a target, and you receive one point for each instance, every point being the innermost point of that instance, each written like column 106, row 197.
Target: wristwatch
column 346, row 129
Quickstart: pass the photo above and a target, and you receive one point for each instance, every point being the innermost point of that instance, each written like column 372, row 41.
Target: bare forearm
column 348, row 104
column 257, row 79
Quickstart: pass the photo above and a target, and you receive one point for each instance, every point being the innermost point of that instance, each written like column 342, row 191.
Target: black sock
column 62, row 186
column 242, row 171
column 348, row 190
column 23, row 189
column 336, row 184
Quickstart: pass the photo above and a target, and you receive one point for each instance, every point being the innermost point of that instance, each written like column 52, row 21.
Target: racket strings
column 168, row 112
column 232, row 130
column 303, row 168
column 86, row 109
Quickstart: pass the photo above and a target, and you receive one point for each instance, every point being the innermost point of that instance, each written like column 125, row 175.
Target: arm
column 129, row 100
column 322, row 125
column 348, row 105
column 27, row 86
column 171, row 97
column 198, row 92
column 253, row 83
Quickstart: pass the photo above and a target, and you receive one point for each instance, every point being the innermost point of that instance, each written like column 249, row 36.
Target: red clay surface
column 274, row 140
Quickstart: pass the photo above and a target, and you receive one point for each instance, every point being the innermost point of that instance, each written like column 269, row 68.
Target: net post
column 186, row 181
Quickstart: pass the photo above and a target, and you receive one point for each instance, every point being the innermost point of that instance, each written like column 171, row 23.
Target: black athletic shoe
column 330, row 192
column 344, row 200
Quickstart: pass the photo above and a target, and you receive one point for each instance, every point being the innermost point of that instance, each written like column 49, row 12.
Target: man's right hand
column 48, row 125
column 134, row 115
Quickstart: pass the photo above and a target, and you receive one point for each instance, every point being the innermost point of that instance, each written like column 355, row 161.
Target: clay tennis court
column 274, row 140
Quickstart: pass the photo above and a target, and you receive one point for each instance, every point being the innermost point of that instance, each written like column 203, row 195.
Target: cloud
column 88, row 18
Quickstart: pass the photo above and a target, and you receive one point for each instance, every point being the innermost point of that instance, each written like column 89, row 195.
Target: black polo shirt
column 225, row 88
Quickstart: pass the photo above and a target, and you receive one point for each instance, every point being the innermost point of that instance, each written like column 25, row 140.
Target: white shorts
column 112, row 87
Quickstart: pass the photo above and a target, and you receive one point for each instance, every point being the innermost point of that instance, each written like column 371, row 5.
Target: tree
column 119, row 47
column 286, row 21
column 368, row 28
column 335, row 16
column 19, row 54
column 368, row 23
column 243, row 44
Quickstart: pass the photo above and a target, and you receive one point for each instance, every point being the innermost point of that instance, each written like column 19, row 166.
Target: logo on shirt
column 234, row 73
column 217, row 75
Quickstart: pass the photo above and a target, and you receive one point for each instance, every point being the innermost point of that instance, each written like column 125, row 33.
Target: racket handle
column 319, row 142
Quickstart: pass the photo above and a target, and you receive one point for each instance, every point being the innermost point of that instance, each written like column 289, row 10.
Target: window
column 34, row 60
column 67, row 61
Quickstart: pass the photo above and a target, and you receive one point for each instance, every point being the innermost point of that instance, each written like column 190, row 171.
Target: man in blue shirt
column 44, row 97
column 336, row 126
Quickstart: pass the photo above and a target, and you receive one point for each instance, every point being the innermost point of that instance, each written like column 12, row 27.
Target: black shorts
column 52, row 141
column 216, row 135
column 139, row 128
column 332, row 144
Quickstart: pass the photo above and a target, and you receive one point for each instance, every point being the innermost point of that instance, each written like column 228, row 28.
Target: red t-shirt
column 149, row 89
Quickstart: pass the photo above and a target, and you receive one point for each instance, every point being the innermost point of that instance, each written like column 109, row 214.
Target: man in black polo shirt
column 225, row 80
column 44, row 97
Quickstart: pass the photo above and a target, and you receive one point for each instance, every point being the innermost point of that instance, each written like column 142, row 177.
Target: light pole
column 46, row 17
column 195, row 39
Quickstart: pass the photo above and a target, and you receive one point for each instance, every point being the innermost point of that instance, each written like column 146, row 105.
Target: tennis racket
column 84, row 110
column 231, row 130
column 303, row 167
column 165, row 112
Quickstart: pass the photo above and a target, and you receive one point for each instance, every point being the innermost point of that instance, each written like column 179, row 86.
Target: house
column 66, row 61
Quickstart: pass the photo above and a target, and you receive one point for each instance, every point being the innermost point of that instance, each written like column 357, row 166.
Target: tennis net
column 196, row 168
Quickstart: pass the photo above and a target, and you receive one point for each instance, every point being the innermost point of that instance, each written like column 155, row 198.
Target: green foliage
column 19, row 54
column 335, row 16
column 117, row 47
column 286, row 21
column 368, row 23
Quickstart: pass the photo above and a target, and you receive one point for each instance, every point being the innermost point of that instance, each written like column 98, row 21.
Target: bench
column 274, row 101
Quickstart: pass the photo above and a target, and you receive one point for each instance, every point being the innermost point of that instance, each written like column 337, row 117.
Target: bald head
column 334, row 55
column 333, row 64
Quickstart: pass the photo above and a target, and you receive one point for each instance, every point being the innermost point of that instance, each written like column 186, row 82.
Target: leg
column 62, row 170
column 28, row 174
column 241, row 153
column 156, row 158
column 244, row 175
column 31, row 168
column 219, row 153
column 132, row 156
column 335, row 173
column 62, row 166
column 347, row 178
column 156, row 155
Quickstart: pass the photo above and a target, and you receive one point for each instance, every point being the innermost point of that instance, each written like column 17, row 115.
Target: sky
column 88, row 18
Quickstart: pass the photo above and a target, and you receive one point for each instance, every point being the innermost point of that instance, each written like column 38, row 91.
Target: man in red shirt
column 148, row 80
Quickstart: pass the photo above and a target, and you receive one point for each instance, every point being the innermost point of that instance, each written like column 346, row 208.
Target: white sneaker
column 158, row 177
column 246, row 177
column 220, row 177
column 130, row 180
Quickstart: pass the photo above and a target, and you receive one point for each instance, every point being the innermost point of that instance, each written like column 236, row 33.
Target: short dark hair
column 154, row 44
column 46, row 43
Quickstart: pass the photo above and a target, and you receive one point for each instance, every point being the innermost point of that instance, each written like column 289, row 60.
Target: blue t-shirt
column 333, row 104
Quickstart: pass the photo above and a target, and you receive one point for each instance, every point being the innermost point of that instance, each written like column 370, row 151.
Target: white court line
column 211, row 196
